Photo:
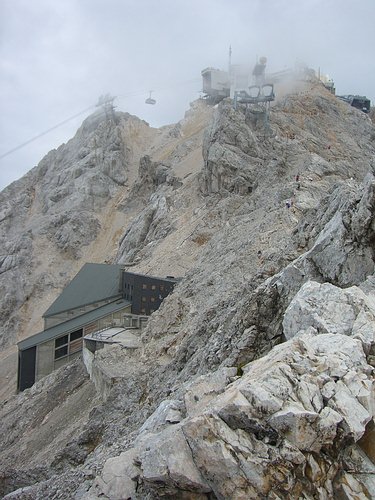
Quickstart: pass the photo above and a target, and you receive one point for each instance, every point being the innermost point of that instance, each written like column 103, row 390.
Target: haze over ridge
column 56, row 59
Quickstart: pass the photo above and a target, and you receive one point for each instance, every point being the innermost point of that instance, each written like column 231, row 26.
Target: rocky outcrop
column 150, row 176
column 50, row 216
column 151, row 225
column 254, row 378
column 324, row 308
column 231, row 153
column 65, row 392
column 273, row 432
column 342, row 234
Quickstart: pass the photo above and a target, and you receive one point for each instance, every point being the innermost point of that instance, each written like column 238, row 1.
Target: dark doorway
column 26, row 368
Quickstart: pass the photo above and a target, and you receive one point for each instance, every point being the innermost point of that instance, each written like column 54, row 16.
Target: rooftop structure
column 357, row 101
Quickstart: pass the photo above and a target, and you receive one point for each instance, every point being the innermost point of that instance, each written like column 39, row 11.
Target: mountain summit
column 254, row 377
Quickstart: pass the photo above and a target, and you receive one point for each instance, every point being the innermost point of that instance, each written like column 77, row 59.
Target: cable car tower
column 257, row 97
column 106, row 102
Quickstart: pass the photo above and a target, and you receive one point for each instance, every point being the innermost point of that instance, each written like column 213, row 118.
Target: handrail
column 98, row 334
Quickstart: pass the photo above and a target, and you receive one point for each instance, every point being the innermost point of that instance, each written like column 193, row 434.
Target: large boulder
column 329, row 309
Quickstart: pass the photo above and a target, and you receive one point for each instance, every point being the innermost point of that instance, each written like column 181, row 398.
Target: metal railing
column 127, row 322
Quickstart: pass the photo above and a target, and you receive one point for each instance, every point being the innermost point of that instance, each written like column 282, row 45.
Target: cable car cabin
column 150, row 100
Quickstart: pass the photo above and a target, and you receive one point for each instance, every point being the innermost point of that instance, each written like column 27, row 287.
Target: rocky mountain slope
column 70, row 210
column 255, row 377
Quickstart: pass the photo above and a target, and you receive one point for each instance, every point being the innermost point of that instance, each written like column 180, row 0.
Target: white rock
column 165, row 414
column 167, row 458
column 119, row 477
column 327, row 425
column 295, row 423
column 219, row 453
column 355, row 415
column 329, row 309
column 202, row 390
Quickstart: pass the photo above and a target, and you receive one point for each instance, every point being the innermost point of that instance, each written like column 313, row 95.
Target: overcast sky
column 58, row 56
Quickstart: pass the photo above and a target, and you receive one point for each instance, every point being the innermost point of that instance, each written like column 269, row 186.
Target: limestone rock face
column 329, row 309
column 343, row 249
column 151, row 175
column 119, row 477
column 151, row 225
column 303, row 400
column 254, row 379
column 50, row 217
column 230, row 152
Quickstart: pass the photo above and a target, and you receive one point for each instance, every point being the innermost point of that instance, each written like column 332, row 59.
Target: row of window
column 154, row 287
column 68, row 344
column 152, row 299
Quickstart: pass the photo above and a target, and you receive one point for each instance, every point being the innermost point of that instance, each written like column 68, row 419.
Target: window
column 61, row 352
column 68, row 344
column 152, row 299
column 144, row 286
column 76, row 335
column 144, row 299
column 61, row 341
column 153, row 287
column 161, row 288
column 143, row 310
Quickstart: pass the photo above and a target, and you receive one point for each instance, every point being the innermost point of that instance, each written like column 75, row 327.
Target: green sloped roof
column 72, row 324
column 93, row 283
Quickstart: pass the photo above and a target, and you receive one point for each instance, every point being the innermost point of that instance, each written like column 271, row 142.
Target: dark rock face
column 231, row 153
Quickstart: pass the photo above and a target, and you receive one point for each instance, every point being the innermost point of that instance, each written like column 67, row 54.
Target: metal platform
column 116, row 335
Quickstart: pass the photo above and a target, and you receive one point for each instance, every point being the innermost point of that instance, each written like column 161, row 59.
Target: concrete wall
column 101, row 378
column 66, row 359
column 88, row 358
column 44, row 359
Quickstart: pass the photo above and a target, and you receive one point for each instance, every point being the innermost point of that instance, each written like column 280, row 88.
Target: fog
column 58, row 57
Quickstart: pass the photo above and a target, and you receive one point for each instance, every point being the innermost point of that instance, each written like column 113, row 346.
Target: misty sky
column 58, row 56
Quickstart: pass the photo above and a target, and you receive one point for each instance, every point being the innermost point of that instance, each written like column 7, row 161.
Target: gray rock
column 55, row 209
column 214, row 343
column 118, row 479
column 233, row 440
column 168, row 412
column 167, row 459
column 329, row 309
